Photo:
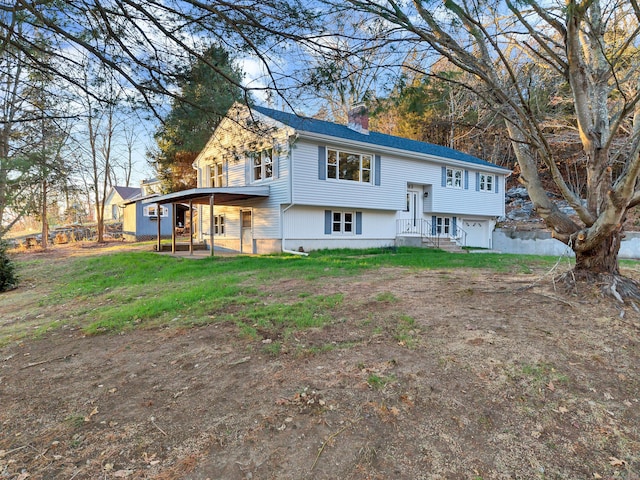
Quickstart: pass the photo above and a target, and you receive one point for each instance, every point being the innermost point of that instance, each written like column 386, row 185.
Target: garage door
column 477, row 233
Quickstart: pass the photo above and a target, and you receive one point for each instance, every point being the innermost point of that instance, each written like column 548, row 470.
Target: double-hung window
column 338, row 222
column 453, row 178
column 216, row 172
column 486, row 182
column 343, row 222
column 350, row 166
column 443, row 225
column 218, row 225
column 262, row 165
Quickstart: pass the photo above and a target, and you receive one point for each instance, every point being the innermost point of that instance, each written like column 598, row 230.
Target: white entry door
column 411, row 217
column 246, row 227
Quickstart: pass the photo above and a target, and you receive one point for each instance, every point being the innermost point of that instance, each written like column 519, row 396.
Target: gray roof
column 312, row 125
column 128, row 192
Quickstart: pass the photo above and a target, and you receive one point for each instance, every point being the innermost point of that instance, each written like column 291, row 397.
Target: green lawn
column 118, row 291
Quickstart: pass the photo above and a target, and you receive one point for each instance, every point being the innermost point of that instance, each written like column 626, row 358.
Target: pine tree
column 8, row 278
column 205, row 96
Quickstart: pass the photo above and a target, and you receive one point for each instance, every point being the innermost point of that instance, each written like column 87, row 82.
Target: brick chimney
column 359, row 119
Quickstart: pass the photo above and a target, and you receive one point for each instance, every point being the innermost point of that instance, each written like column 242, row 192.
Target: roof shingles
column 312, row 125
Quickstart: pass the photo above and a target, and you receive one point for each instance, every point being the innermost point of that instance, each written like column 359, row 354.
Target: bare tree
column 591, row 48
column 95, row 140
column 147, row 42
column 33, row 131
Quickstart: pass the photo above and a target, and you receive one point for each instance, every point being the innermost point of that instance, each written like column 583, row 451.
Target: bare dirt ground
column 459, row 374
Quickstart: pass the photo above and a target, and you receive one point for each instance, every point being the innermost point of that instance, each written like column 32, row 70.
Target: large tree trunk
column 45, row 224
column 599, row 267
column 602, row 259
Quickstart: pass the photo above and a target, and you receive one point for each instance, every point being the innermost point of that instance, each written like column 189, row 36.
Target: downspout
column 292, row 139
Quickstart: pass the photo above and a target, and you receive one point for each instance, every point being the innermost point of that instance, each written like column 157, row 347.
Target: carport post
column 211, row 222
column 159, row 231
column 173, row 227
column 190, row 227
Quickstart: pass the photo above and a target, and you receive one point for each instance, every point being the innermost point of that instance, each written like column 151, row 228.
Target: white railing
column 425, row 229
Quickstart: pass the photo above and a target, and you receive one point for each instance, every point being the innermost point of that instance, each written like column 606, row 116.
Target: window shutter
column 225, row 174
column 477, row 181
column 322, row 163
column 276, row 164
column 327, row 222
column 444, row 177
column 247, row 169
column 358, row 223
column 454, row 226
column 466, row 179
column 433, row 225
column 377, row 168
column 496, row 184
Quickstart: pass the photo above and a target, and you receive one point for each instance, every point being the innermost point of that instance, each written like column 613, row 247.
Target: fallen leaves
column 616, row 462
column 93, row 413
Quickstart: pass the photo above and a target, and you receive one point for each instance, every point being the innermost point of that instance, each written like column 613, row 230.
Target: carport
column 202, row 196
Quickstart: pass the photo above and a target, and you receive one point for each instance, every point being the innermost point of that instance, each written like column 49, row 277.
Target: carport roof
column 203, row 195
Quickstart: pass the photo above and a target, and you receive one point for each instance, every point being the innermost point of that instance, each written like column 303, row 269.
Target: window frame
column 216, row 174
column 365, row 169
column 444, row 226
column 219, row 225
column 264, row 167
column 486, row 183
column 452, row 180
column 151, row 212
column 342, row 223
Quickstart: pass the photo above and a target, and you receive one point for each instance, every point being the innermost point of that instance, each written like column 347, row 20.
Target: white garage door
column 477, row 233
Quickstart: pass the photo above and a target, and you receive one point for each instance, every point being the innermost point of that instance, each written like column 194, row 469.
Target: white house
column 114, row 199
column 272, row 181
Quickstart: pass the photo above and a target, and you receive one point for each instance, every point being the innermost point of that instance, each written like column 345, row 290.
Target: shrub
column 8, row 278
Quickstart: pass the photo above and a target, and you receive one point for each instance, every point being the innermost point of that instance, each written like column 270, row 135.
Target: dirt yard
column 459, row 374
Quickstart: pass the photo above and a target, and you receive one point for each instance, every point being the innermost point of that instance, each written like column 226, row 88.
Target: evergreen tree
column 8, row 278
column 205, row 96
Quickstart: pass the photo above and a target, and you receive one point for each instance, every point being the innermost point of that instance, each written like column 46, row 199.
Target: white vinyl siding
column 395, row 173
column 304, row 226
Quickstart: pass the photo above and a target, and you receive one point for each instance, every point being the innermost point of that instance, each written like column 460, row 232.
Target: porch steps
column 443, row 243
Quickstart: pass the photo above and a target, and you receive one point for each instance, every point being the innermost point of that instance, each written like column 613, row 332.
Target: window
column 262, row 165
column 218, row 225
column 342, row 223
column 151, row 211
column 216, row 173
column 486, row 182
column 354, row 167
column 443, row 225
column 453, row 178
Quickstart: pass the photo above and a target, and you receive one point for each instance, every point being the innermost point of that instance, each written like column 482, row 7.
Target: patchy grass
column 124, row 290
column 345, row 364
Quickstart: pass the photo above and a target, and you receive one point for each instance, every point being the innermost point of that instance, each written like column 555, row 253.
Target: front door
column 410, row 217
column 246, row 232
